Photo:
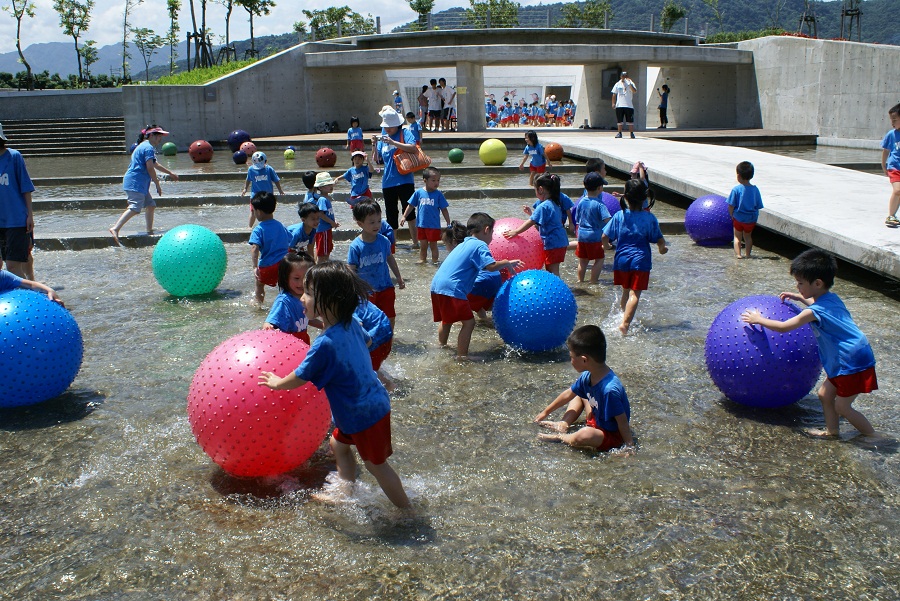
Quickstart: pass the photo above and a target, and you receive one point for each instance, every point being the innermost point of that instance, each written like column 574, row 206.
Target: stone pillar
column 638, row 74
column 593, row 102
column 469, row 96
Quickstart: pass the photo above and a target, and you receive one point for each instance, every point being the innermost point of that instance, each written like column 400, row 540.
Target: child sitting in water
column 599, row 389
column 339, row 362
column 287, row 313
column 844, row 350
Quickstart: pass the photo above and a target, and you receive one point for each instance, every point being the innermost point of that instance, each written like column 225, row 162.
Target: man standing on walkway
column 623, row 101
column 16, row 216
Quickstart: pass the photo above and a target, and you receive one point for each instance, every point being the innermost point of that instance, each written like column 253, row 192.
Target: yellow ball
column 492, row 152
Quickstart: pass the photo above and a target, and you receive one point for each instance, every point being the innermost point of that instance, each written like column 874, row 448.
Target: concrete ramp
column 838, row 210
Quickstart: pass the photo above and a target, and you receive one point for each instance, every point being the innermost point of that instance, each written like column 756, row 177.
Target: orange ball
column 554, row 151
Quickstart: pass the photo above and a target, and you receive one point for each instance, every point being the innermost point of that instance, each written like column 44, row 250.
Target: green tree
column 422, row 7
column 88, row 54
column 300, row 30
column 229, row 7
column 593, row 13
column 130, row 5
column 338, row 21
column 503, row 13
column 255, row 8
column 20, row 9
column 147, row 43
column 717, row 11
column 74, row 18
column 671, row 14
column 172, row 8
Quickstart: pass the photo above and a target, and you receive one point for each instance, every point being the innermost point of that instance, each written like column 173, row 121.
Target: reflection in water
column 106, row 495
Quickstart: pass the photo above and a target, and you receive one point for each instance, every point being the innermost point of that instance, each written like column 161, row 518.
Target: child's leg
column 390, row 483
column 843, row 406
column 414, row 234
column 596, row 269
column 748, row 243
column 582, row 268
column 123, row 219
column 827, row 394
column 343, row 457
column 553, row 268
column 434, row 251
column 634, row 297
column 894, row 202
column 465, row 337
column 444, row 333
column 623, row 302
column 423, row 251
column 585, row 437
column 573, row 411
column 260, row 292
column 738, row 238
column 148, row 218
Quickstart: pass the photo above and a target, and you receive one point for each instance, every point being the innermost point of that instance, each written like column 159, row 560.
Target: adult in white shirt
column 449, row 103
column 623, row 101
column 435, row 98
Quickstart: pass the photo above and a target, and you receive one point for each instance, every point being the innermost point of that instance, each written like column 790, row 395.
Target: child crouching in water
column 598, row 388
column 287, row 313
column 339, row 362
column 487, row 283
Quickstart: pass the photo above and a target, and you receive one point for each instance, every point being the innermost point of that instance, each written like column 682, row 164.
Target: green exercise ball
column 189, row 260
column 456, row 155
column 169, row 149
column 492, row 152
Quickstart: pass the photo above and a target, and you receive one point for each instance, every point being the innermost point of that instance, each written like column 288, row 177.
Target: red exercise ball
column 325, row 157
column 248, row 148
column 554, row 151
column 248, row 429
column 527, row 246
column 200, row 151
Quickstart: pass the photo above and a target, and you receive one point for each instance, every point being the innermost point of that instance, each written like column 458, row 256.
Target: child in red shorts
column 431, row 204
column 269, row 242
column 890, row 164
column 744, row 204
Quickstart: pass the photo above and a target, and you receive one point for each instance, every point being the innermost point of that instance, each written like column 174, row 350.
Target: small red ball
column 554, row 151
column 325, row 157
column 201, row 151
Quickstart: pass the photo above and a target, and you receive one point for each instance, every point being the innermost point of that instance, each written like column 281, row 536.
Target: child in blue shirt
column 535, row 152
column 370, row 257
column 592, row 216
column 487, row 283
column 287, row 313
column 358, row 176
column 455, row 279
column 260, row 178
column 388, row 232
column 548, row 216
column 413, row 126
column 16, row 212
column 355, row 136
column 844, row 350
column 633, row 230
column 431, row 204
column 890, row 164
column 744, row 204
column 10, row 281
column 269, row 242
column 303, row 234
column 339, row 362
column 324, row 186
column 380, row 333
column 309, row 180
column 599, row 389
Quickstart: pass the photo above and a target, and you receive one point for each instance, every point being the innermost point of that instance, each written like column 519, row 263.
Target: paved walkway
column 838, row 210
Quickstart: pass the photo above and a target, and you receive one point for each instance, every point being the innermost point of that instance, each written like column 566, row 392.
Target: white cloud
column 106, row 23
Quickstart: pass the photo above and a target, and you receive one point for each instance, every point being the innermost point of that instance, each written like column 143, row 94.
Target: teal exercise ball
column 456, row 155
column 492, row 152
column 189, row 260
column 169, row 149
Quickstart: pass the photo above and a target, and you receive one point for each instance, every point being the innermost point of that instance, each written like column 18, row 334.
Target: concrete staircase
column 67, row 137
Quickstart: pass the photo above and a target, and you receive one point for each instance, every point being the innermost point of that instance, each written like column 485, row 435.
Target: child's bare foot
column 820, row 433
column 623, row 330
column 115, row 236
column 547, row 437
column 738, row 257
column 422, row 262
column 559, row 426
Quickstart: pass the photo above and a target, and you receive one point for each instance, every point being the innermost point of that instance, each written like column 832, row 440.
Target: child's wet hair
column 364, row 208
column 894, row 110
column 264, row 201
column 550, row 182
column 428, row 172
column 309, row 180
column 635, row 194
column 478, row 222
column 286, row 267
column 307, row 208
column 588, row 341
column 336, row 289
column 354, row 119
column 745, row 170
column 815, row 264
column 454, row 233
column 594, row 165
column 532, row 137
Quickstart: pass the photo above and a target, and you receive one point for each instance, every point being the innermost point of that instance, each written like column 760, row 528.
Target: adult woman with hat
column 136, row 182
column 395, row 186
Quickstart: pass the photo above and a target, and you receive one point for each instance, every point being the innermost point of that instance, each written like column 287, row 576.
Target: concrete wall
column 831, row 89
column 61, row 104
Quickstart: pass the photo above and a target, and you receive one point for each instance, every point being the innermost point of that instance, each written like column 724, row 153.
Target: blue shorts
column 139, row 200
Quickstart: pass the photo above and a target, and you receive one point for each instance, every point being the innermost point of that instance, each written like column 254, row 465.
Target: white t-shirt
column 624, row 94
column 434, row 99
column 449, row 98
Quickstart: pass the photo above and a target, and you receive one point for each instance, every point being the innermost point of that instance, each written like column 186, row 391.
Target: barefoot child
column 845, row 353
column 269, row 242
column 744, row 204
column 633, row 230
column 287, row 313
column 535, row 152
column 487, row 283
column 431, row 204
column 358, row 175
column 324, row 186
column 339, row 362
column 370, row 257
column 260, row 178
column 599, row 389
column 455, row 278
column 592, row 216
column 548, row 216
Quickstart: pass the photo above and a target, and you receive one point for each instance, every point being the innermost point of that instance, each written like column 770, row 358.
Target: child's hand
column 521, row 168
column 402, row 222
column 663, row 250
column 526, row 209
column 401, row 284
column 790, row 296
column 540, row 417
column 336, row 225
column 751, row 316
column 517, row 264
column 173, row 177
column 52, row 296
column 268, row 326
column 269, row 380
column 509, row 234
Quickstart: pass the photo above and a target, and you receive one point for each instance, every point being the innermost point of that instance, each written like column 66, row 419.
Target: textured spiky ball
column 189, row 260
column 535, row 311
column 708, row 221
column 200, row 151
column 236, row 138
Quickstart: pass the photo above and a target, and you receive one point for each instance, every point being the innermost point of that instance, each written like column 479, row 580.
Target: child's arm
column 409, row 208
column 254, row 256
column 316, row 323
column 289, row 382
column 796, row 297
column 446, row 215
column 522, row 164
column 516, row 265
column 885, row 153
column 37, row 286
column 661, row 245
column 563, row 399
column 625, row 430
column 607, row 244
column 329, row 220
column 752, row 316
column 280, row 189
column 171, row 174
column 247, row 187
column 513, row 233
column 395, row 269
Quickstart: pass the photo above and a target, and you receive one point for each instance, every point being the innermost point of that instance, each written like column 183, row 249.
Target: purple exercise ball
column 708, row 221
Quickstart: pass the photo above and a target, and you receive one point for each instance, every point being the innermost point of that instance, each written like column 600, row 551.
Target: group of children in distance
column 353, row 302
column 521, row 114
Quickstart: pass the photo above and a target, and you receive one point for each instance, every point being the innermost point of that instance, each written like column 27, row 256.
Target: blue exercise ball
column 534, row 311
column 236, row 138
column 239, row 158
column 758, row 367
column 189, row 260
column 40, row 348
column 708, row 221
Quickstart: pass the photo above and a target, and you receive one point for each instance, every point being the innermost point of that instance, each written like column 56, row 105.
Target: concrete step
column 62, row 137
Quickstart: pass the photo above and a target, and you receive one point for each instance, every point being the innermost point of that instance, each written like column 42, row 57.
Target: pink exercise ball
column 248, row 429
column 527, row 246
column 248, row 148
